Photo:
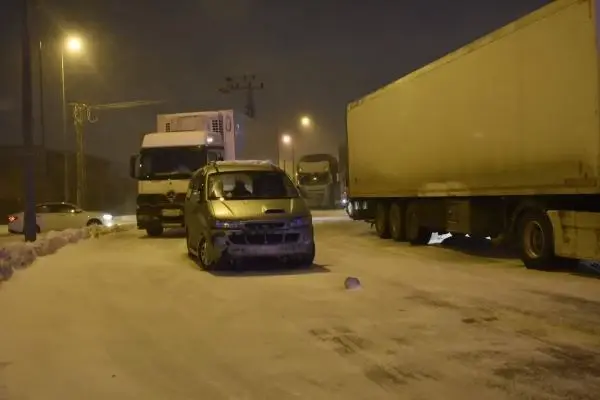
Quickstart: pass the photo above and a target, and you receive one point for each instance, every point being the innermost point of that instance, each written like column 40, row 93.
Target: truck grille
column 157, row 199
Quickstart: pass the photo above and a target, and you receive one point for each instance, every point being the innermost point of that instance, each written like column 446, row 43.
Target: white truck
column 167, row 159
column 500, row 138
column 318, row 177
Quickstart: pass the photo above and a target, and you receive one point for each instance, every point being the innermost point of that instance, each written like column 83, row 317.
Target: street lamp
column 288, row 140
column 72, row 45
column 305, row 122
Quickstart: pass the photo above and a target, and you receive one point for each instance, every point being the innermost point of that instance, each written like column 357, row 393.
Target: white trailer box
column 499, row 138
column 232, row 125
column 514, row 113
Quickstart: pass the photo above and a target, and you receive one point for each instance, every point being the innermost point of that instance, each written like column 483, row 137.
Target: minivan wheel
column 305, row 260
column 203, row 253
column 189, row 248
column 204, row 256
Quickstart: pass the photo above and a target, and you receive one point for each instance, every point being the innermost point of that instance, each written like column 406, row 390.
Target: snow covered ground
column 129, row 317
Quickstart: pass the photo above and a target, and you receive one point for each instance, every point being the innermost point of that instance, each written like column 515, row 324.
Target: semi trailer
column 500, row 138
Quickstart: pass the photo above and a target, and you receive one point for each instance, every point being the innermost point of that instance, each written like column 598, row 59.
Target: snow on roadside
column 15, row 256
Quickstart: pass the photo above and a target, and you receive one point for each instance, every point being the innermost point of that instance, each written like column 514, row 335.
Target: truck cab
column 318, row 177
column 163, row 169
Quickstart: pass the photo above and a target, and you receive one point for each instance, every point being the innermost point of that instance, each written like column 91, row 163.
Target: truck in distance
column 318, row 178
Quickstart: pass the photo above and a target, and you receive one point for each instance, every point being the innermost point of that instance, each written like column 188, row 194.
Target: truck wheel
column 397, row 228
column 415, row 233
column 382, row 220
column 536, row 241
column 155, row 231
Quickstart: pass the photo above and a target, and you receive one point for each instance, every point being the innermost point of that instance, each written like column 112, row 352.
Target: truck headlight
column 300, row 222
column 107, row 217
column 228, row 225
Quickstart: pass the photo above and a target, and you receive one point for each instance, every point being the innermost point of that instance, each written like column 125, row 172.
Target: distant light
column 74, row 44
column 209, row 139
column 305, row 121
column 286, row 139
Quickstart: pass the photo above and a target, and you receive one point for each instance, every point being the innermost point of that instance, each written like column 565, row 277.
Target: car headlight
column 300, row 222
column 228, row 224
column 107, row 217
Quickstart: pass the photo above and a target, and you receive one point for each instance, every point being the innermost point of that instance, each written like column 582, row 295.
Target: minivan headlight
column 300, row 222
column 228, row 224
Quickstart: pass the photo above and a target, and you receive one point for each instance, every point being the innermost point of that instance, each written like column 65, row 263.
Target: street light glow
column 286, row 139
column 305, row 121
column 74, row 44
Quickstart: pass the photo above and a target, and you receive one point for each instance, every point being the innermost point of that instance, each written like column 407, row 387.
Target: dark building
column 105, row 190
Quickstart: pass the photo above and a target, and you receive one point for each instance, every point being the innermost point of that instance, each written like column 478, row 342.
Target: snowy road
column 127, row 317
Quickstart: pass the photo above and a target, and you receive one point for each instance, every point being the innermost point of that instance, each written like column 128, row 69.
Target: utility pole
column 30, row 225
column 42, row 114
column 83, row 113
column 247, row 83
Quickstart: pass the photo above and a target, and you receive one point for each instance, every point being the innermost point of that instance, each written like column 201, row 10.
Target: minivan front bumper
column 249, row 244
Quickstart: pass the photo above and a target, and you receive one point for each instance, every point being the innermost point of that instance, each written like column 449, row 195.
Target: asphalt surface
column 128, row 317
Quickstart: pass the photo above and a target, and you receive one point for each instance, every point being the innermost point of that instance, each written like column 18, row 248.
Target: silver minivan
column 238, row 210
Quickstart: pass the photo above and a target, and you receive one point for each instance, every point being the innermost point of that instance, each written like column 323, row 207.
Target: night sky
column 314, row 56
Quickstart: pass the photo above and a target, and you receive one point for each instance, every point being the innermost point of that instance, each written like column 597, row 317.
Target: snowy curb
column 15, row 256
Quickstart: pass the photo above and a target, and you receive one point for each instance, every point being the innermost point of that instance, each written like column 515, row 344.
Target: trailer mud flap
column 576, row 234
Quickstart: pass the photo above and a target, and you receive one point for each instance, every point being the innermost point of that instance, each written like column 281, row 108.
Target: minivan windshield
column 245, row 185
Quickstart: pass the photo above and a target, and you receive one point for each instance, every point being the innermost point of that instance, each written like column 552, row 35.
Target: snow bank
column 14, row 256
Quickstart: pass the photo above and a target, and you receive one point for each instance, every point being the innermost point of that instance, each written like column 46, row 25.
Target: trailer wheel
column 536, row 241
column 416, row 234
column 382, row 220
column 397, row 228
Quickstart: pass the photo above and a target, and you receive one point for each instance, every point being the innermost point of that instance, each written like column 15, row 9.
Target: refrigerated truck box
column 234, row 127
column 489, row 137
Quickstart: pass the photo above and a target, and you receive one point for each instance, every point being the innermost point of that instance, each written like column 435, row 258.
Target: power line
column 82, row 114
column 247, row 83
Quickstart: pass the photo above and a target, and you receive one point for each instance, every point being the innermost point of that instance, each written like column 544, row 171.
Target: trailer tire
column 154, row 231
column 382, row 225
column 416, row 234
column 396, row 224
column 536, row 241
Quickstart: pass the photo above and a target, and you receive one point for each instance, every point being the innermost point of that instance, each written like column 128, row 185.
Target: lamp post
column 30, row 225
column 288, row 141
column 72, row 45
